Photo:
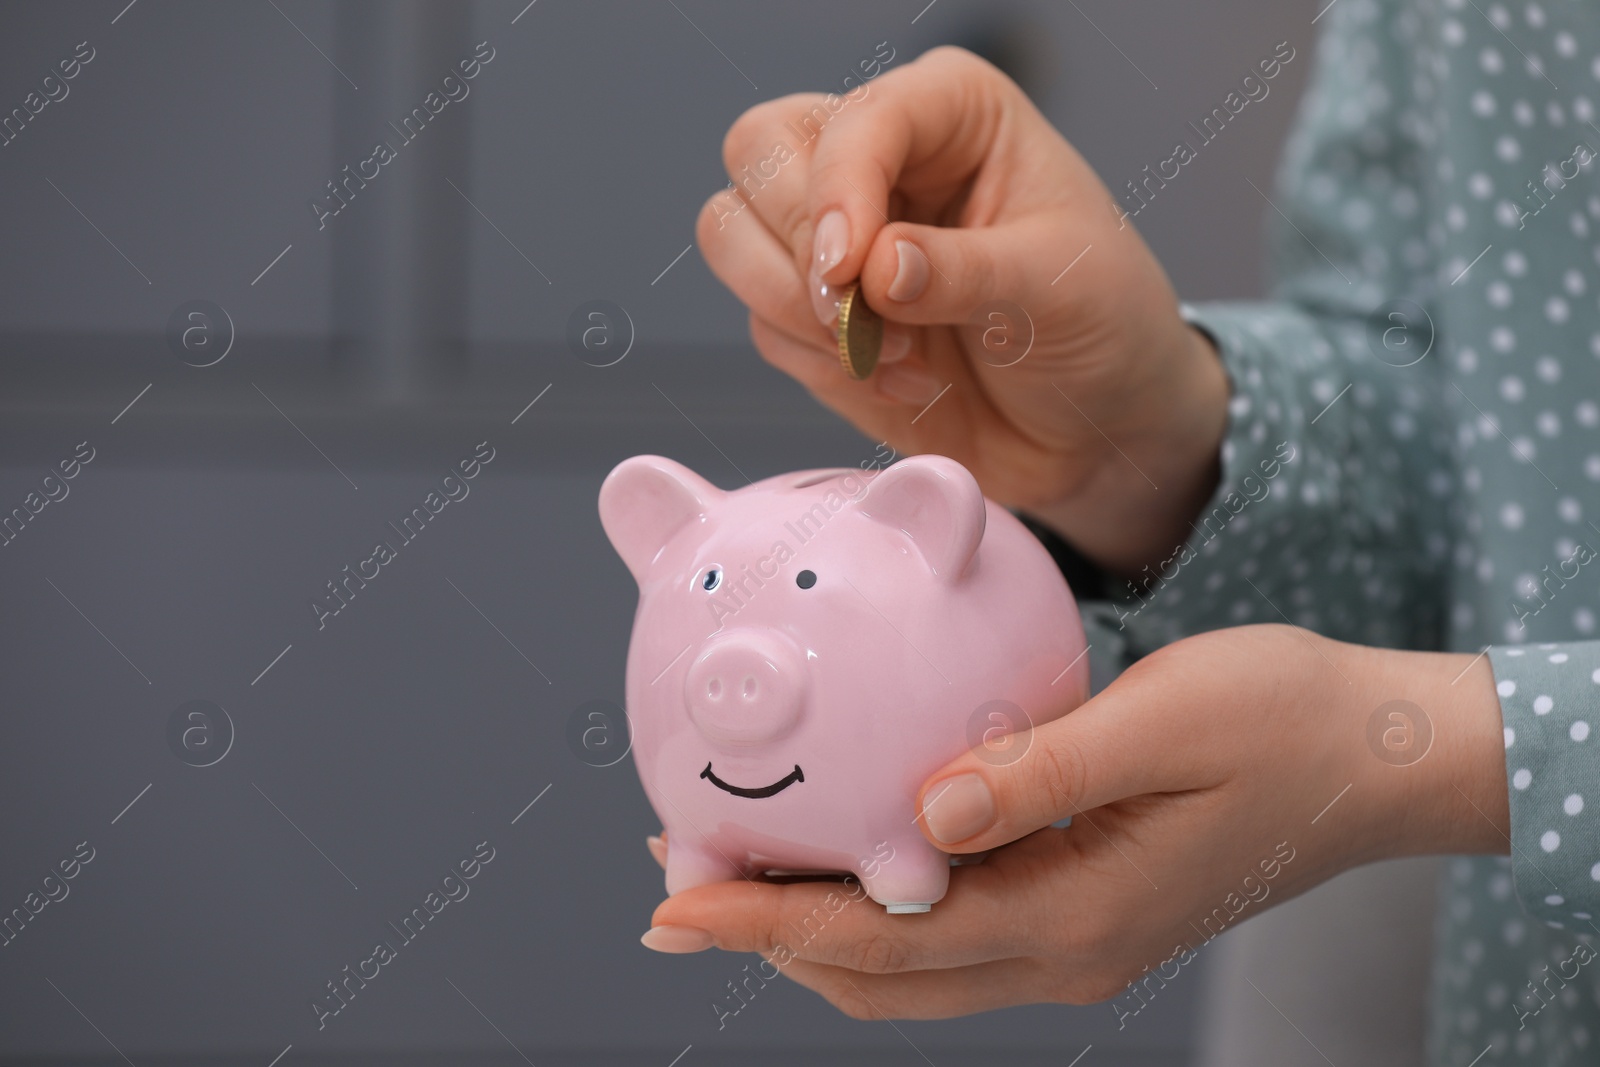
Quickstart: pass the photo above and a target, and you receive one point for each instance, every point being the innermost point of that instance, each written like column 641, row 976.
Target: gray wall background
column 408, row 330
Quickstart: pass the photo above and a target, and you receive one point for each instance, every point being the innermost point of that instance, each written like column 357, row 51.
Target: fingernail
column 824, row 298
column 676, row 939
column 831, row 241
column 909, row 384
column 958, row 808
column 896, row 343
column 658, row 846
column 911, row 275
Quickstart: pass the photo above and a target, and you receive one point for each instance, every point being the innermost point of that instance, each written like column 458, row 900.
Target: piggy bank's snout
column 746, row 687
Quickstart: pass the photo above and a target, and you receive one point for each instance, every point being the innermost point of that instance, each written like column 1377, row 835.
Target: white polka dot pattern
column 1446, row 154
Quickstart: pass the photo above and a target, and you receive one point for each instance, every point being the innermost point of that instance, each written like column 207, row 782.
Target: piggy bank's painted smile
column 761, row 791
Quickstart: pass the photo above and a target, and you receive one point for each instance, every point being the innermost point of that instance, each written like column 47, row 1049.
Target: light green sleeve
column 1336, row 483
column 1550, row 703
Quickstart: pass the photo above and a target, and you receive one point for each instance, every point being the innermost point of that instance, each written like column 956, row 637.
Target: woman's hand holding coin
column 1028, row 332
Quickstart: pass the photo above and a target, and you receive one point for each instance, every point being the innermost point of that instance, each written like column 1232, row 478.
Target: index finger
column 980, row 919
column 927, row 112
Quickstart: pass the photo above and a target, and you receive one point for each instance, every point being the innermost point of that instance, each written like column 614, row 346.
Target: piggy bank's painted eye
column 806, row 579
column 712, row 579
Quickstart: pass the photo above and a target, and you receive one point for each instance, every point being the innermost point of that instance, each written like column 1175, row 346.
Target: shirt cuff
column 1550, row 705
column 1270, row 495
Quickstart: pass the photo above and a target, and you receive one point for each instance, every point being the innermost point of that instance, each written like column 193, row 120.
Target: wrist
column 1431, row 751
column 1162, row 463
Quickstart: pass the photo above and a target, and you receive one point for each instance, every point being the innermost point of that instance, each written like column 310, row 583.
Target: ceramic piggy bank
column 808, row 649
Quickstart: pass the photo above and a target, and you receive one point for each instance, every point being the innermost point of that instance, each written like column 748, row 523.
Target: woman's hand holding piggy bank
column 1216, row 777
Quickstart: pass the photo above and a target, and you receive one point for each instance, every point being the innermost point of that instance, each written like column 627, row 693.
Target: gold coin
column 860, row 333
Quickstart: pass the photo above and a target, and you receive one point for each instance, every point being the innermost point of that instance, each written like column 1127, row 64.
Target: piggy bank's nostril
column 714, row 688
column 749, row 688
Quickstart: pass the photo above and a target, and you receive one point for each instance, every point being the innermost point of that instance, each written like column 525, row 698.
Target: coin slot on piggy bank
column 808, row 649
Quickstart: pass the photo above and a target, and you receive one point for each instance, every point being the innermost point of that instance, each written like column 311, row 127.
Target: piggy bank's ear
column 644, row 501
column 935, row 501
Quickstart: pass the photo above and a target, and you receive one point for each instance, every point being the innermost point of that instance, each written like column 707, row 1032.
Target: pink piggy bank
column 808, row 649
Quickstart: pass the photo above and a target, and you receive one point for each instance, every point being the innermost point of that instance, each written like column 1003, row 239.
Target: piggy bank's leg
column 912, row 879
column 691, row 861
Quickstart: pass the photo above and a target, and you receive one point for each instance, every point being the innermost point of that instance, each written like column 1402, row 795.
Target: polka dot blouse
column 1424, row 389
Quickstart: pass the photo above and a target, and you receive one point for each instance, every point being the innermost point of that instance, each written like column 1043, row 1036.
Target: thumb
column 944, row 275
column 1096, row 755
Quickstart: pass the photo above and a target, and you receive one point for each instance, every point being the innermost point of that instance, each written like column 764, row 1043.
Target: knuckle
column 789, row 355
column 833, row 174
column 766, row 342
column 760, row 331
column 1074, row 984
column 880, row 954
column 1165, row 668
column 773, row 941
column 722, row 213
column 750, row 139
column 954, row 55
column 1238, row 646
column 971, row 68
column 1089, row 982
column 1154, row 661
column 709, row 223
column 738, row 142
column 1288, row 637
column 1061, row 770
column 1092, row 941
column 854, row 1003
column 1097, row 988
column 795, row 223
column 1074, row 988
